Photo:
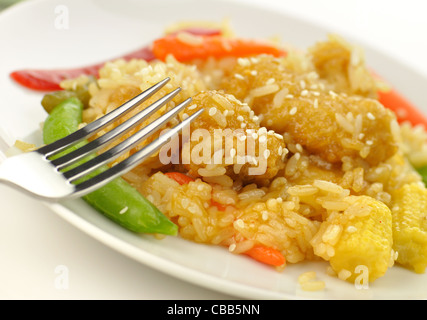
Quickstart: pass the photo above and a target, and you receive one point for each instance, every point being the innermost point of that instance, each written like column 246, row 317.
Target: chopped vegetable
column 403, row 108
column 266, row 255
column 410, row 226
column 220, row 206
column 52, row 99
column 63, row 120
column 117, row 200
column 423, row 172
column 211, row 46
column 360, row 237
column 49, row 80
column 179, row 177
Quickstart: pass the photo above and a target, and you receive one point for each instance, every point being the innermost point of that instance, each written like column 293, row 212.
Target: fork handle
column 23, row 172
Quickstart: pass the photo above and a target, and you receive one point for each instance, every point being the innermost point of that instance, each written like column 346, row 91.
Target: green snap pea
column 117, row 200
column 423, row 172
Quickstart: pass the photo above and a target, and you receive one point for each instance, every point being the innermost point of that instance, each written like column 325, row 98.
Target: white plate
column 99, row 30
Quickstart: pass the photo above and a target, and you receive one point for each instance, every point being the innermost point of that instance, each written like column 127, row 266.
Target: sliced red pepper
column 49, row 80
column 213, row 46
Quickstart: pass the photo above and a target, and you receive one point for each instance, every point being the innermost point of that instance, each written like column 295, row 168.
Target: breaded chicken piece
column 325, row 123
column 236, row 144
column 343, row 65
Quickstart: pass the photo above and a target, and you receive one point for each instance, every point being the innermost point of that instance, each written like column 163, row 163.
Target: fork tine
column 116, row 151
column 115, row 133
column 100, row 123
column 132, row 161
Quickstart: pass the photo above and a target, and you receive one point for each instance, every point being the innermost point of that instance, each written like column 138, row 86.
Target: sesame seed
column 225, row 113
column 351, row 229
column 302, row 84
column 270, row 81
column 254, row 72
column 242, row 138
column 332, row 93
column 240, row 118
column 232, row 247
column 361, row 136
column 370, row 116
column 316, row 103
column 243, row 62
column 255, row 118
column 243, row 125
column 278, row 136
column 315, row 93
column 285, row 152
column 369, row 142
column 239, row 76
column 293, row 111
column 255, row 136
column 184, row 116
column 299, row 147
column 280, row 150
column 194, row 106
column 212, row 111
column 254, row 60
column 304, row 93
column 239, row 223
column 266, row 153
column 124, row 210
column 289, row 96
column 264, row 215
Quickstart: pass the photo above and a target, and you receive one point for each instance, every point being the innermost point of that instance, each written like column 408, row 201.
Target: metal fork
column 37, row 174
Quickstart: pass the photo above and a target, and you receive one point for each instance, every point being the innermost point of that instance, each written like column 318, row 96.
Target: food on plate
column 300, row 155
column 117, row 200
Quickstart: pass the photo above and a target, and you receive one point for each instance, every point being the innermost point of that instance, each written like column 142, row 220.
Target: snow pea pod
column 423, row 172
column 117, row 200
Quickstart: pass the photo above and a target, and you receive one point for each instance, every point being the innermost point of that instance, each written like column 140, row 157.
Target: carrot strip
column 179, row 177
column 207, row 46
column 266, row 255
column 404, row 109
column 220, row 206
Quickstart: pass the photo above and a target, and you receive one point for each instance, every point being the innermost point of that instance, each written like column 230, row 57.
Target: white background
column 34, row 241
